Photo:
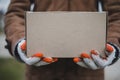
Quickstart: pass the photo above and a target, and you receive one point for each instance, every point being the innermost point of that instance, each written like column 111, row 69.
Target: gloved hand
column 96, row 61
column 37, row 59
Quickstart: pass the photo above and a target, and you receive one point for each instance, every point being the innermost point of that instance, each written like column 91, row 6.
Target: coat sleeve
column 113, row 29
column 15, row 22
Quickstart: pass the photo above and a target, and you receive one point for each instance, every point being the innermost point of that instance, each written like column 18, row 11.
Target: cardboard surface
column 65, row 34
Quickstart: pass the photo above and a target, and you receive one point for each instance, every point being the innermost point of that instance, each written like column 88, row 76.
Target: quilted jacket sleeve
column 15, row 22
column 113, row 8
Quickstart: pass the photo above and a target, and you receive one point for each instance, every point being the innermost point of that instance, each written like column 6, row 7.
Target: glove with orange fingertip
column 37, row 59
column 95, row 61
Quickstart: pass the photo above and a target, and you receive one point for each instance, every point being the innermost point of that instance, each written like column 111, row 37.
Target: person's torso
column 64, row 69
column 65, row 5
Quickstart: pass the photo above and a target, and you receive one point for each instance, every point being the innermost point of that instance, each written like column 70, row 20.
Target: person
column 83, row 67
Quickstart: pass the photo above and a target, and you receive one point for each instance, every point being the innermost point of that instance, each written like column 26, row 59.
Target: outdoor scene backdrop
column 10, row 69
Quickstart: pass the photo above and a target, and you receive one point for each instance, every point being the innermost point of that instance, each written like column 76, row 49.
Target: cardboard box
column 65, row 34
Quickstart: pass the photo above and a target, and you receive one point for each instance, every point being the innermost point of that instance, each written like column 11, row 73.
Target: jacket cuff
column 117, row 52
column 15, row 50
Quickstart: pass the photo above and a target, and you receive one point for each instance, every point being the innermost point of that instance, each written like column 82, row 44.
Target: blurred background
column 10, row 69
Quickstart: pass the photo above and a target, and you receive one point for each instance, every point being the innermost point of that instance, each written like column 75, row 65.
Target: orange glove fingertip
column 48, row 60
column 109, row 48
column 85, row 55
column 76, row 59
column 40, row 55
column 23, row 46
column 94, row 52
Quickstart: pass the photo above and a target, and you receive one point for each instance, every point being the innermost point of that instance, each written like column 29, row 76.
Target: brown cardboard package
column 65, row 34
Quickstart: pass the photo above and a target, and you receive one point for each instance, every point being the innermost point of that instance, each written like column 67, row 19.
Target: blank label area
column 65, row 34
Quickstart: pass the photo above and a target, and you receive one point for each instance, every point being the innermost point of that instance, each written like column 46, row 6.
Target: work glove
column 37, row 59
column 95, row 61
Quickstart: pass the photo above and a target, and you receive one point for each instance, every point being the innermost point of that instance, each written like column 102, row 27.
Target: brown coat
column 64, row 69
